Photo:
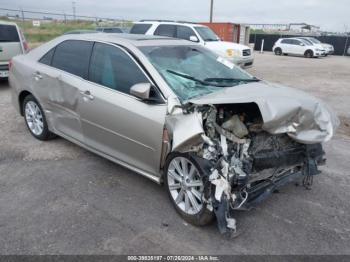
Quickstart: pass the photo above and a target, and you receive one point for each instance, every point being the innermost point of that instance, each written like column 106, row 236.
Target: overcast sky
column 329, row 14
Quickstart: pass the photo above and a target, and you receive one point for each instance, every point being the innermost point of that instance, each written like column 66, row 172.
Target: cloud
column 330, row 15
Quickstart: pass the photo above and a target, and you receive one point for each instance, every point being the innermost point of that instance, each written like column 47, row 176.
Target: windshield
column 193, row 71
column 206, row 33
column 314, row 40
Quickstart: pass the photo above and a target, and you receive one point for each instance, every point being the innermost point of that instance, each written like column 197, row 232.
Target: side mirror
column 141, row 90
column 194, row 38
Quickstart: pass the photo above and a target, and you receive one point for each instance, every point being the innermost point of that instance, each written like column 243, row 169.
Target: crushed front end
column 243, row 163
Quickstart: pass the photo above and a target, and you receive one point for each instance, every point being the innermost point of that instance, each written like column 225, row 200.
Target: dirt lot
column 56, row 198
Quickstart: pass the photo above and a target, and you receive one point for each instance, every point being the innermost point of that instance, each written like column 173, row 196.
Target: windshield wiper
column 202, row 82
column 220, row 79
column 211, row 40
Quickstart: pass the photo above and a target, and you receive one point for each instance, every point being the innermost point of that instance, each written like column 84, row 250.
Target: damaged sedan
column 219, row 139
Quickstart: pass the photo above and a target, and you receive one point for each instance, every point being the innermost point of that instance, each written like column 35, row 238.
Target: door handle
column 37, row 76
column 87, row 94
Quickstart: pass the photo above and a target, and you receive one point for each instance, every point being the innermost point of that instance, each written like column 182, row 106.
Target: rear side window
column 113, row 68
column 166, row 30
column 140, row 28
column 286, row 41
column 8, row 33
column 112, row 30
column 47, row 58
column 184, row 32
column 73, row 56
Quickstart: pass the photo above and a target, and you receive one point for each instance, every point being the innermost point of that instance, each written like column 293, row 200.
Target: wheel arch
column 22, row 95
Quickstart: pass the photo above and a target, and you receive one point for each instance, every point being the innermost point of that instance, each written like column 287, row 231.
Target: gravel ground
column 56, row 198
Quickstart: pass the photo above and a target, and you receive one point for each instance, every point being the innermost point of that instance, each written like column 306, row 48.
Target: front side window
column 73, row 56
column 184, row 32
column 166, row 30
column 306, row 42
column 193, row 71
column 113, row 68
column 296, row 42
column 8, row 33
column 207, row 34
column 140, row 29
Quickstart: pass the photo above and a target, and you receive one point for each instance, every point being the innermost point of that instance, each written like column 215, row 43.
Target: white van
column 12, row 43
column 238, row 54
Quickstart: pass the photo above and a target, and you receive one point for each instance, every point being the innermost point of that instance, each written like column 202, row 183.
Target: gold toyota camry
column 218, row 138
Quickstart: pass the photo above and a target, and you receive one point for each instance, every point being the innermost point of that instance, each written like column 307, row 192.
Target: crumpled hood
column 284, row 110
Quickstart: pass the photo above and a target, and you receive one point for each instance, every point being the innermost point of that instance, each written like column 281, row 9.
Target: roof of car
column 7, row 23
column 134, row 39
column 168, row 22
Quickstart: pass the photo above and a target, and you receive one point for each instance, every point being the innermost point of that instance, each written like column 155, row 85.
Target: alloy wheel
column 185, row 185
column 34, row 118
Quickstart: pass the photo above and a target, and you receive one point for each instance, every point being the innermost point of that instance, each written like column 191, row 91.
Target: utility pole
column 211, row 10
column 74, row 9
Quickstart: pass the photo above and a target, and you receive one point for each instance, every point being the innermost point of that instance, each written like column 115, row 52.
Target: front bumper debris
column 243, row 163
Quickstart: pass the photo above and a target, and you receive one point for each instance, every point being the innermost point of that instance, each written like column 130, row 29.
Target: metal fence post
column 22, row 12
column 346, row 45
column 262, row 46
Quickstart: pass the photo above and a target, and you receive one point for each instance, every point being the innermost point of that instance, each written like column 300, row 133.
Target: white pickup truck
column 238, row 54
column 12, row 43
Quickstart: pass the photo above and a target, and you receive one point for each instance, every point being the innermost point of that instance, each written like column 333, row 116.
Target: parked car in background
column 348, row 51
column 81, row 31
column 12, row 43
column 299, row 47
column 110, row 30
column 328, row 47
column 238, row 54
column 220, row 139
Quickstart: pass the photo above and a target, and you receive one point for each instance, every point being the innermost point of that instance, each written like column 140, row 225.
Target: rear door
column 286, row 46
column 59, row 82
column 10, row 46
column 116, row 123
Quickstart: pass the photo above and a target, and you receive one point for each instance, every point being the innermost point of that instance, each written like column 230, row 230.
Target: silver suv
column 220, row 139
column 12, row 43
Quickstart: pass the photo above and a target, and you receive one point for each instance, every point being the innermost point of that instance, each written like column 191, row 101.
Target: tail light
column 26, row 47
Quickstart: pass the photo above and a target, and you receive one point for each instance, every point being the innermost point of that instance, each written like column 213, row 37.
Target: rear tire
column 309, row 54
column 35, row 119
column 278, row 51
column 178, row 177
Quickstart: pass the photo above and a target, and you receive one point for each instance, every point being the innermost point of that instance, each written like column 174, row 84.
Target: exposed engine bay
column 243, row 163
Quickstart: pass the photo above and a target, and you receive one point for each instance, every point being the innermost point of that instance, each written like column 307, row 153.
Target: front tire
column 35, row 119
column 309, row 54
column 185, row 187
column 278, row 51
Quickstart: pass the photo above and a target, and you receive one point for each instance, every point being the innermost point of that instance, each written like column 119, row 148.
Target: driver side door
column 115, row 123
